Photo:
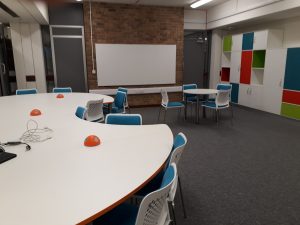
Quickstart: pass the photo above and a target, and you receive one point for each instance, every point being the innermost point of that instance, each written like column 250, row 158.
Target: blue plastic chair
column 178, row 148
column 80, row 112
column 166, row 104
column 190, row 98
column 62, row 90
column 26, row 91
column 222, row 86
column 125, row 90
column 152, row 209
column 119, row 103
column 124, row 119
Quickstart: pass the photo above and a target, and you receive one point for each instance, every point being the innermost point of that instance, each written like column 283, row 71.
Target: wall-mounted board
column 134, row 64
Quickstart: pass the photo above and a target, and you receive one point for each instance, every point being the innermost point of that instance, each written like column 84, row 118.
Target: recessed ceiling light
column 78, row 0
column 200, row 3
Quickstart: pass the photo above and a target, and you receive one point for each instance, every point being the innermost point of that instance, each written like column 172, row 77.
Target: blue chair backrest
column 124, row 119
column 179, row 140
column 168, row 176
column 80, row 111
column 123, row 89
column 224, row 87
column 120, row 99
column 187, row 87
column 26, row 91
column 62, row 90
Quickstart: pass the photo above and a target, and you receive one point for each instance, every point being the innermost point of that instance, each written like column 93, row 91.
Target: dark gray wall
column 67, row 14
column 196, row 58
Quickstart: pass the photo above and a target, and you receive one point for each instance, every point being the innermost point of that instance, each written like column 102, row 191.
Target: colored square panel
column 235, row 93
column 292, row 97
column 246, row 66
column 290, row 110
column 227, row 42
column 225, row 74
column 292, row 70
column 248, row 41
column 259, row 59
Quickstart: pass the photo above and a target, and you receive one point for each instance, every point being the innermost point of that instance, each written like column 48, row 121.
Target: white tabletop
column 201, row 91
column 61, row 182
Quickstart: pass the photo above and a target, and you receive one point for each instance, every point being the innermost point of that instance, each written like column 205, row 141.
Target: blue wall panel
column 248, row 41
column 235, row 93
column 292, row 70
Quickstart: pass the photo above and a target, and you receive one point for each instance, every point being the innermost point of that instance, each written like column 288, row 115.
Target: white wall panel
column 194, row 19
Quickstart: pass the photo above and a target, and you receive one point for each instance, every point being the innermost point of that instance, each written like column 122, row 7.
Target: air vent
column 8, row 10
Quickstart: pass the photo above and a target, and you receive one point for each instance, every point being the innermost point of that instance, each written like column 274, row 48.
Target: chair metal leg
column 165, row 115
column 179, row 113
column 160, row 108
column 173, row 213
column 181, row 197
column 231, row 115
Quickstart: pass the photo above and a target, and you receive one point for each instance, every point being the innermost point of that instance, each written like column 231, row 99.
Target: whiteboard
column 132, row 64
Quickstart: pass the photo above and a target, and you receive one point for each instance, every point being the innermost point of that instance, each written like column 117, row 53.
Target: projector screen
column 131, row 64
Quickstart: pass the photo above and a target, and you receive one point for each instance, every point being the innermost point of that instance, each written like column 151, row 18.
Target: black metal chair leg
column 159, row 113
column 181, row 197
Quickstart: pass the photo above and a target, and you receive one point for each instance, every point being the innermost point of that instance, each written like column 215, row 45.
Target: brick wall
column 134, row 24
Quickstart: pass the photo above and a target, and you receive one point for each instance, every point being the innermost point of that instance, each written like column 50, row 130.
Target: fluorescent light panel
column 200, row 3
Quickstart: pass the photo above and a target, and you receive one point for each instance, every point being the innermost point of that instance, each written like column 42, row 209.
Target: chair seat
column 114, row 109
column 175, row 105
column 212, row 105
column 124, row 214
column 211, row 99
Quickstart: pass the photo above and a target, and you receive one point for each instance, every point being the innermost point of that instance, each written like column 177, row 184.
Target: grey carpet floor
column 245, row 173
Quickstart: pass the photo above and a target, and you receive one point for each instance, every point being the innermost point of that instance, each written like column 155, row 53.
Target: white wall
column 194, row 19
column 216, row 52
column 290, row 27
column 235, row 11
column 28, row 55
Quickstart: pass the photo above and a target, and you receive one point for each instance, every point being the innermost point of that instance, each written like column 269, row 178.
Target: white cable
column 92, row 41
column 35, row 134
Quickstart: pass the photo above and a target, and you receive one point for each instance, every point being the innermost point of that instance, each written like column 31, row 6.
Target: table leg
column 204, row 108
column 197, row 110
column 185, row 109
column 110, row 108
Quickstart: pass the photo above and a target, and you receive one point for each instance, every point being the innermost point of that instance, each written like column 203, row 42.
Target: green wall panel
column 259, row 59
column 290, row 110
column 227, row 42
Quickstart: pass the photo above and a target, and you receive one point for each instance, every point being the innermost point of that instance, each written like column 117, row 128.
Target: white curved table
column 199, row 92
column 61, row 182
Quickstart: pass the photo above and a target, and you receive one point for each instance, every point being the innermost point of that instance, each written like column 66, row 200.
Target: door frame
column 68, row 36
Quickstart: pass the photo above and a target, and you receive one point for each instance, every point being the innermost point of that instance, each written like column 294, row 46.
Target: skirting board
column 138, row 91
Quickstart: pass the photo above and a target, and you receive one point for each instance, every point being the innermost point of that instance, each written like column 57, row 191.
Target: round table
column 199, row 92
column 60, row 181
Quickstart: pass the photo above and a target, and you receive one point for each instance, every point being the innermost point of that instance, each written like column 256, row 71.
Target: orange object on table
column 35, row 112
column 60, row 96
column 92, row 141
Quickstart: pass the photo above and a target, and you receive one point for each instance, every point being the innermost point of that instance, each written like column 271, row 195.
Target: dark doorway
column 7, row 66
column 196, row 58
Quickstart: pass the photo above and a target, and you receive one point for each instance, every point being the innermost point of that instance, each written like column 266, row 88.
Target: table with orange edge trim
column 62, row 182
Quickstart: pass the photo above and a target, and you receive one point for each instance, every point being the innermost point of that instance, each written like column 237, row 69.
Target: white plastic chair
column 221, row 102
column 166, row 104
column 153, row 209
column 175, row 158
column 94, row 111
